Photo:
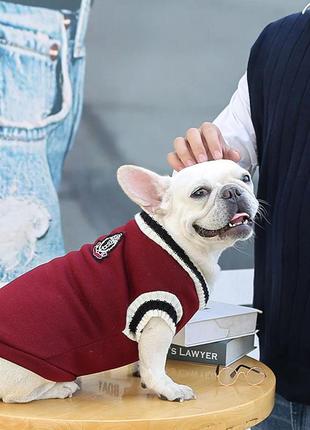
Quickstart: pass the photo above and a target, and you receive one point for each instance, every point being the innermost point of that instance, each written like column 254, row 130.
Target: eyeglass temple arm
column 234, row 371
column 243, row 365
column 217, row 371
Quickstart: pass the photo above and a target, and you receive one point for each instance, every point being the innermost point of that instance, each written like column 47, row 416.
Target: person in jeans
column 42, row 61
column 267, row 124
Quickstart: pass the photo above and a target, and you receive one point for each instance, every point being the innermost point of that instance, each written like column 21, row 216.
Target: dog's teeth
column 237, row 223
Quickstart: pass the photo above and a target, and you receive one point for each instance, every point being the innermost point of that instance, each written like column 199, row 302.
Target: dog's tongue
column 239, row 217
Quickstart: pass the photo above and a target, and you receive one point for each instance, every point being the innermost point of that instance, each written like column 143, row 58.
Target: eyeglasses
column 229, row 375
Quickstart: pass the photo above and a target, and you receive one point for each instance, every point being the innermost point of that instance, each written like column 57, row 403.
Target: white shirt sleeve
column 236, row 126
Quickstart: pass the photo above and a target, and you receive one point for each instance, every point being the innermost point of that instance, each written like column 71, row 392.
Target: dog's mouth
column 238, row 222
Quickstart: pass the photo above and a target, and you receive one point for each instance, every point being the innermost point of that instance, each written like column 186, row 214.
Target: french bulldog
column 132, row 289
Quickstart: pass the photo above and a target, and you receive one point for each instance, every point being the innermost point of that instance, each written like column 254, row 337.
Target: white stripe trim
column 163, row 296
column 148, row 231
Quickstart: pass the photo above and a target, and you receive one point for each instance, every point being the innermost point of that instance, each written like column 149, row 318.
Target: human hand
column 199, row 145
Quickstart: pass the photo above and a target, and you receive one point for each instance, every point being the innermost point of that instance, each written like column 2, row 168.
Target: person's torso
column 279, row 87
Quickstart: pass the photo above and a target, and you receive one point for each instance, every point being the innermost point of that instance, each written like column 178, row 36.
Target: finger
column 211, row 135
column 174, row 161
column 183, row 152
column 230, row 153
column 209, row 155
column 195, row 142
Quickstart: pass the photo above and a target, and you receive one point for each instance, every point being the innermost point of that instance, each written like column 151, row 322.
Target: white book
column 218, row 322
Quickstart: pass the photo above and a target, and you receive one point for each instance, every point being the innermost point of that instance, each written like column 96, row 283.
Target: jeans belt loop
column 81, row 28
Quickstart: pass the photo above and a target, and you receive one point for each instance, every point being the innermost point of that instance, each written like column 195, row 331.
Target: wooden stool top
column 115, row 400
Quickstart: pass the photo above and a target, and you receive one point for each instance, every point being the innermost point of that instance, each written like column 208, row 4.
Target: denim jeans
column 42, row 60
column 286, row 416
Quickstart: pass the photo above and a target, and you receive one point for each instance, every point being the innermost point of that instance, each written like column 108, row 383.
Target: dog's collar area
column 243, row 219
column 159, row 234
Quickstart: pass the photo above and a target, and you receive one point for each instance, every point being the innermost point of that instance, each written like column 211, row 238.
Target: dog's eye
column 200, row 193
column 246, row 178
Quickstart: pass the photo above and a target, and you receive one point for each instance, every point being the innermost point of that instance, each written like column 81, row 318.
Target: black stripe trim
column 148, row 306
column 165, row 236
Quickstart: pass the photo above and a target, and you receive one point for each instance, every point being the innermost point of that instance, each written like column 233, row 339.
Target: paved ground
column 155, row 68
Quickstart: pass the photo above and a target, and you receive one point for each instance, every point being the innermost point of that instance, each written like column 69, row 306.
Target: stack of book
column 220, row 334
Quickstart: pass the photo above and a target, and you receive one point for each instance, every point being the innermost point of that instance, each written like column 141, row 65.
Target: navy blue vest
column 279, row 86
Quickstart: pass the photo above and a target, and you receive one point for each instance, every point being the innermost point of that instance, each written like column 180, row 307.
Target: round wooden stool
column 114, row 400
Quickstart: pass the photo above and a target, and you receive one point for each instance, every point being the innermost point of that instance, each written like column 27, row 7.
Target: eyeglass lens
column 227, row 376
column 255, row 376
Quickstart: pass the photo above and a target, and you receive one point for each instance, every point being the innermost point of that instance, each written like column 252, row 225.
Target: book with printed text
column 224, row 352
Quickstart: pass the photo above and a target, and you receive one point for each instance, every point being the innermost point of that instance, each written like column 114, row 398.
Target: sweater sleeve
column 160, row 304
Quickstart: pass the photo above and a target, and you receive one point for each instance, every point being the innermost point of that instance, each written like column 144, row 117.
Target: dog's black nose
column 230, row 192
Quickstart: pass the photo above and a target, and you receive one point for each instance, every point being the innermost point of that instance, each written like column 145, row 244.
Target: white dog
column 168, row 257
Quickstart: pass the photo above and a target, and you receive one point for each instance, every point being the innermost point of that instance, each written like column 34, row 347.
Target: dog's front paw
column 167, row 389
column 68, row 389
column 136, row 370
column 61, row 390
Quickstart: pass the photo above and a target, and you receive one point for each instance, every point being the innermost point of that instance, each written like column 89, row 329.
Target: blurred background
column 154, row 69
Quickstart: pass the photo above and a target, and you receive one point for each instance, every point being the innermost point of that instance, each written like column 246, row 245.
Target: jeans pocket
column 30, row 230
column 35, row 88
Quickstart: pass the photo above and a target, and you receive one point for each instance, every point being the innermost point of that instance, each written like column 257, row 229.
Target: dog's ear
column 143, row 186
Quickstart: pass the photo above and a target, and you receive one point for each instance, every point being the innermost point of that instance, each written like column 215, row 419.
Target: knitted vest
column 82, row 313
column 279, row 87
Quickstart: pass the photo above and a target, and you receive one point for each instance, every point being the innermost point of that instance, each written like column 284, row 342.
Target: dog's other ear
column 143, row 186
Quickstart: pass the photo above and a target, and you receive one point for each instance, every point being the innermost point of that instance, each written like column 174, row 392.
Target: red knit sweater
column 82, row 313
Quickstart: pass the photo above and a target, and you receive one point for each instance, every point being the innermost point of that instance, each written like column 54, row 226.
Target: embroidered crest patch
column 102, row 248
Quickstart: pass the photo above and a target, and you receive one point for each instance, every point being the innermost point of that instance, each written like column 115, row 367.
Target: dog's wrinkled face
column 215, row 200
column 211, row 202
